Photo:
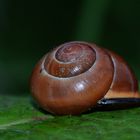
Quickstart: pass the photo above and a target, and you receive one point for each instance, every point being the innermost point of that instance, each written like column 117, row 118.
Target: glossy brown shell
column 108, row 77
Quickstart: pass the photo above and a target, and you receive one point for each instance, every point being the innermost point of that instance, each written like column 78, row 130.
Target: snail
column 78, row 76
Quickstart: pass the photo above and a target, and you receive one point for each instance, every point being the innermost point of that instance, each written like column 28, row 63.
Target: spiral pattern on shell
column 75, row 76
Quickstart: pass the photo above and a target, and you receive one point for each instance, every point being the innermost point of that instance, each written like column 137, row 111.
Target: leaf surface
column 19, row 120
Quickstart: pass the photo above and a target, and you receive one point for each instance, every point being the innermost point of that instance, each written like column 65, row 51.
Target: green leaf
column 19, row 120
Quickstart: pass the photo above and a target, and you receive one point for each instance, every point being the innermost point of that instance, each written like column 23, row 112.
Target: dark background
column 28, row 29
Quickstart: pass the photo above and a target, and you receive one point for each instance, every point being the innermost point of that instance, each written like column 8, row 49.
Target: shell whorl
column 70, row 60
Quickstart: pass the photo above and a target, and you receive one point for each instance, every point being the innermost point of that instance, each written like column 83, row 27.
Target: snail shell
column 78, row 76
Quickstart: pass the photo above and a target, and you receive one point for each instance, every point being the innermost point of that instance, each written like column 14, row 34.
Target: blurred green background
column 28, row 29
